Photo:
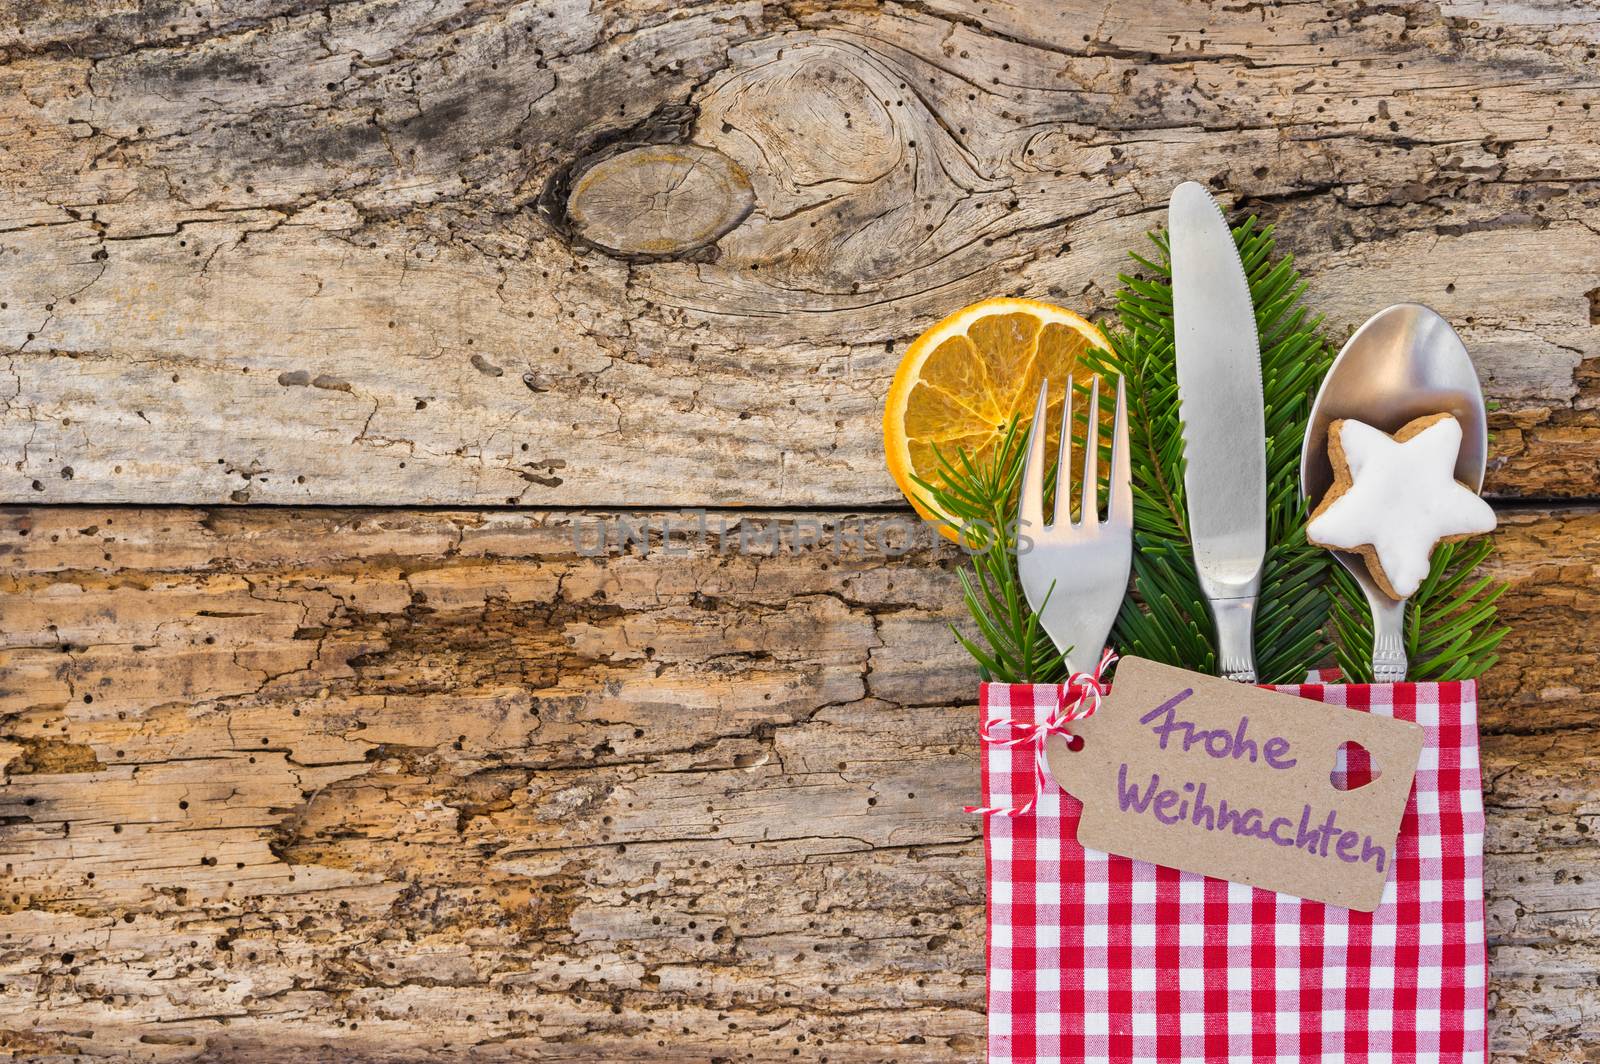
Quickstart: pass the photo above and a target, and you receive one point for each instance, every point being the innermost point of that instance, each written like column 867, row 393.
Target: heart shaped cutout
column 1354, row 767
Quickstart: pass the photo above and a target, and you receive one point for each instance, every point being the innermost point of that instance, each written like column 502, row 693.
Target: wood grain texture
column 365, row 785
column 274, row 251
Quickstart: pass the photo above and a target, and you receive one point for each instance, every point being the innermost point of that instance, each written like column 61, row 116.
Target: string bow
column 1076, row 699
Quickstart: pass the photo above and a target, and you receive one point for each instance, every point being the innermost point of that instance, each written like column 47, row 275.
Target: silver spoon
column 1406, row 362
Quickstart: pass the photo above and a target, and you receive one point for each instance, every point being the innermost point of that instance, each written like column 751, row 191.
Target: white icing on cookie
column 1403, row 498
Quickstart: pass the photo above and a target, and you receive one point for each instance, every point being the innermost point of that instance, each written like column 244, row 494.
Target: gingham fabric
column 1094, row 957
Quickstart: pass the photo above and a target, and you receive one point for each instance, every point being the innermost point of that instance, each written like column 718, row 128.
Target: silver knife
column 1224, row 424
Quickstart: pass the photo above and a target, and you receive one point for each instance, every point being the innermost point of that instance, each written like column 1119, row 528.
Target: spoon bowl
column 1406, row 362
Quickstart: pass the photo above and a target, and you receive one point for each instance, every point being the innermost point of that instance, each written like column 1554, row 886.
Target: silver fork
column 1075, row 574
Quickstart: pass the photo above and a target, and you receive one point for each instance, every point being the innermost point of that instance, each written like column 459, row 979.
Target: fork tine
column 1121, row 509
column 1030, row 506
column 1089, row 505
column 1063, row 510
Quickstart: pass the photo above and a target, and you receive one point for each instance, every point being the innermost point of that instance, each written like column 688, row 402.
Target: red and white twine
column 1076, row 699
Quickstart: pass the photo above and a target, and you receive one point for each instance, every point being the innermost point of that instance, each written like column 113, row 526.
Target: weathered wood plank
column 435, row 782
column 282, row 252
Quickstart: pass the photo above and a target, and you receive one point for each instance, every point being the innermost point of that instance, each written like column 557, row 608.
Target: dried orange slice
column 962, row 381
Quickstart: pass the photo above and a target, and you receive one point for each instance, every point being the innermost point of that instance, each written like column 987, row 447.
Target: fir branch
column 1452, row 627
column 1166, row 618
column 980, row 495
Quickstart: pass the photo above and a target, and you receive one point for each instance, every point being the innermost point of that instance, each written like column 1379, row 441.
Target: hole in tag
column 1074, row 743
column 1354, row 767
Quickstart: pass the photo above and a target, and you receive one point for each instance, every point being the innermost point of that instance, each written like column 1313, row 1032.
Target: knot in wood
column 659, row 200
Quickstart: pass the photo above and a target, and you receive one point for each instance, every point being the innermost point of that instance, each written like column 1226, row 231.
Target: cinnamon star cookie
column 1394, row 497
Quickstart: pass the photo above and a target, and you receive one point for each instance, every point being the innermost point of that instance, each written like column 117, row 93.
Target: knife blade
column 1224, row 422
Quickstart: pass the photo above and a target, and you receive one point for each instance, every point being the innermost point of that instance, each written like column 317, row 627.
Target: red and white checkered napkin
column 1100, row 958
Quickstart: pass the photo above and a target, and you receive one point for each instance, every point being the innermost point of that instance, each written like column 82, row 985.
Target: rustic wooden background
column 327, row 326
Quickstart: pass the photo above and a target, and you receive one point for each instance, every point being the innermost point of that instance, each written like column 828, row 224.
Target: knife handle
column 1236, row 623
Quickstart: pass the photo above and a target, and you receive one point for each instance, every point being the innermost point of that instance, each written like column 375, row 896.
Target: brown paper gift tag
column 1232, row 781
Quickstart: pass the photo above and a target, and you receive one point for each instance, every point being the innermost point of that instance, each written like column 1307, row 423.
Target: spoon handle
column 1388, row 639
